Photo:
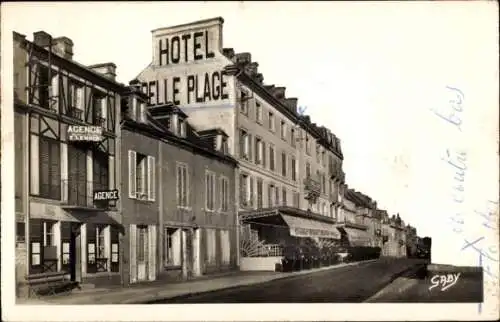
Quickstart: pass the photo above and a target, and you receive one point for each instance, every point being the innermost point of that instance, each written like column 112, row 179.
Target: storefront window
column 43, row 247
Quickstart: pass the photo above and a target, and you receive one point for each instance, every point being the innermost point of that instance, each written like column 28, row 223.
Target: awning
column 301, row 227
column 357, row 237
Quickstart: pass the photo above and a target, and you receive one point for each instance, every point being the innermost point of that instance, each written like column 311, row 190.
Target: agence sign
column 85, row 133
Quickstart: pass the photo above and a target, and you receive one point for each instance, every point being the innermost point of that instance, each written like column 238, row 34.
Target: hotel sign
column 85, row 133
column 308, row 232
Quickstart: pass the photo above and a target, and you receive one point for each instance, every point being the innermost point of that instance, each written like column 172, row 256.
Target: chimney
column 243, row 58
column 251, row 68
column 269, row 88
column 63, row 46
column 106, row 69
column 259, row 78
column 279, row 92
column 291, row 103
column 228, row 52
column 42, row 39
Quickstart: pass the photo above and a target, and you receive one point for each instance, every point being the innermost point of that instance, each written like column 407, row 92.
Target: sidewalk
column 158, row 291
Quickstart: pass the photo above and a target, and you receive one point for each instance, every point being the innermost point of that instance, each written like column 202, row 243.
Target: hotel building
column 289, row 183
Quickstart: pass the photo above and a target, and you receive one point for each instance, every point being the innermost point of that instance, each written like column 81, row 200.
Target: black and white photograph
column 160, row 155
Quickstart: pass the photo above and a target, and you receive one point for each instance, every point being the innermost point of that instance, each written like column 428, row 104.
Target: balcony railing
column 75, row 113
column 100, row 121
column 79, row 194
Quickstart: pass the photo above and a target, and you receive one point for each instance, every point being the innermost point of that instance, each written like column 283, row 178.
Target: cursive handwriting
column 446, row 281
column 451, row 113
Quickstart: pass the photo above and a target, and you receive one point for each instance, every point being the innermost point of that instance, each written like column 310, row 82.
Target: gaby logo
column 445, row 281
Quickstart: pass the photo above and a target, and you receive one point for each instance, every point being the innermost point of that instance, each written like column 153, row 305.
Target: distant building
column 411, row 241
column 355, row 220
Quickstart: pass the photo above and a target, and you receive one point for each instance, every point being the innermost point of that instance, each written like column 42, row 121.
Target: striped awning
column 302, row 227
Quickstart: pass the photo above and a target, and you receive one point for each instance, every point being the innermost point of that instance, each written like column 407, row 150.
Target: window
column 292, row 137
column 277, row 196
column 272, row 165
column 76, row 100
column 308, row 146
column 245, row 152
column 283, row 164
column 100, row 169
column 50, row 168
column 294, row 169
column 99, row 105
column 182, row 185
column 224, row 192
column 142, row 183
column 296, row 199
column 209, row 191
column 259, row 151
column 323, row 183
column 224, row 145
column 308, row 170
column 43, row 249
column 97, row 248
column 283, row 130
column 270, row 195
column 142, row 243
column 211, row 246
column 225, row 247
column 271, row 121
column 43, row 86
column 244, row 103
column 318, row 154
column 243, row 189
column 259, row 193
column 172, row 247
column 181, row 127
column 246, row 190
column 284, row 198
column 115, row 235
column 258, row 112
column 323, row 158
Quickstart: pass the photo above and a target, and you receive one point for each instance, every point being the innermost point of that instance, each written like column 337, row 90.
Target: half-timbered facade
column 67, row 137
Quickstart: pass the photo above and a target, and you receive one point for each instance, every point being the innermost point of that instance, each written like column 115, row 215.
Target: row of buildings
column 194, row 166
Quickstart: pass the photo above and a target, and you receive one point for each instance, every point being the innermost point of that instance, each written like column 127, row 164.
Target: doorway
column 142, row 253
column 75, row 253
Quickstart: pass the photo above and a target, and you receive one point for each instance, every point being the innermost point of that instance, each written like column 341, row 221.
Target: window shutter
column 263, row 149
column 54, row 102
column 151, row 178
column 178, row 185
column 133, row 254
column 249, row 147
column 104, row 111
column 152, row 253
column 131, row 174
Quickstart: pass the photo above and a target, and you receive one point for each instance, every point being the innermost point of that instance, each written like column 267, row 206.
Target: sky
column 374, row 73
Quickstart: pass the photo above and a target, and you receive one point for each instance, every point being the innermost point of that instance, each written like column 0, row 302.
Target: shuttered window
column 100, row 170
column 50, row 168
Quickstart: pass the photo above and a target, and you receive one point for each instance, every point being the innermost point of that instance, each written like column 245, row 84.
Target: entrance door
column 75, row 253
column 77, row 176
column 142, row 253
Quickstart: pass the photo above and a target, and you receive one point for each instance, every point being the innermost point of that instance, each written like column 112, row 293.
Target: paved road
column 343, row 285
column 411, row 288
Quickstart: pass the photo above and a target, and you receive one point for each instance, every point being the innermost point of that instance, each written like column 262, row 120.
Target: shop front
column 267, row 234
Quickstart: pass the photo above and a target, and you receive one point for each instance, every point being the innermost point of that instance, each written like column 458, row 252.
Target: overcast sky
column 371, row 72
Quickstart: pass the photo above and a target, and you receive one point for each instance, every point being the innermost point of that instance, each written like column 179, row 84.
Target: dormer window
column 224, row 145
column 181, row 127
column 142, row 112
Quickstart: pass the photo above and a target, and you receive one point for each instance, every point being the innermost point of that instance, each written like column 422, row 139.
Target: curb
column 415, row 268
column 273, row 278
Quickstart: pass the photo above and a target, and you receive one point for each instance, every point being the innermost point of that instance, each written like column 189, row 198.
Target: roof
column 154, row 128
column 71, row 65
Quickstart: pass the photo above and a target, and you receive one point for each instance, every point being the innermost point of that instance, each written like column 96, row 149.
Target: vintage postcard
column 270, row 160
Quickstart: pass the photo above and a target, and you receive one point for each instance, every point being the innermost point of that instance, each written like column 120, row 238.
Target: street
column 352, row 284
column 413, row 288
